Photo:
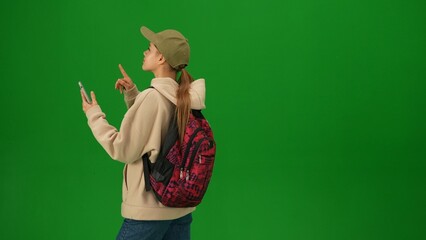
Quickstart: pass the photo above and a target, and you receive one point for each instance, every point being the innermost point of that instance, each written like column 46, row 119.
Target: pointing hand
column 124, row 83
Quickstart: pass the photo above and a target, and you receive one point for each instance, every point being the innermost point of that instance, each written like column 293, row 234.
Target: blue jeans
column 177, row 229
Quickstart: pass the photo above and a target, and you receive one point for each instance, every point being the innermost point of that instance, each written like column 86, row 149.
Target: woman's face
column 150, row 58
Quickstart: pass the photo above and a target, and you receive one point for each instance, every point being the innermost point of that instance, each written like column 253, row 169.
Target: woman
column 142, row 130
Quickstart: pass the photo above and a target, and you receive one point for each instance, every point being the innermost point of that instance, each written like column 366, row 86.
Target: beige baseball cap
column 172, row 44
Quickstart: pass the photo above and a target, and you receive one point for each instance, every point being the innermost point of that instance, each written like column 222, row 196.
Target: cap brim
column 148, row 34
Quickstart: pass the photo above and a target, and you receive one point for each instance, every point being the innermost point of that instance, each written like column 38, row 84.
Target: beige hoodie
column 142, row 130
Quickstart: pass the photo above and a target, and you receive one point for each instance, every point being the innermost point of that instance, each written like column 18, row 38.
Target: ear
column 161, row 59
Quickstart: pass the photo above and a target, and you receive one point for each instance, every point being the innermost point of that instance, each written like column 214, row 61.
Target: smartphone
column 84, row 93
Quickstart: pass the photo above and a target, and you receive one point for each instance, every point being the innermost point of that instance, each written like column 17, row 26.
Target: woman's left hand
column 86, row 105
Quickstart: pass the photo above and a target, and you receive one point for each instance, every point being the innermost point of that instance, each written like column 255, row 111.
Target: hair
column 183, row 103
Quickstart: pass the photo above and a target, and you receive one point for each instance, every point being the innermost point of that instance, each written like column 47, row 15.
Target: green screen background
column 318, row 110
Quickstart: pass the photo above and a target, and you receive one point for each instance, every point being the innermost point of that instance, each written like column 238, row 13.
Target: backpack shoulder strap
column 146, row 171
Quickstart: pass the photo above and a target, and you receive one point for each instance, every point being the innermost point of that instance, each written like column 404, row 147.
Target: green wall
column 318, row 109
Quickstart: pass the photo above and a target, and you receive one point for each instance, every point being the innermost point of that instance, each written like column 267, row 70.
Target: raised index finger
column 122, row 71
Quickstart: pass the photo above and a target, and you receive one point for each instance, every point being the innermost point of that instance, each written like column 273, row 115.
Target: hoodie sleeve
column 128, row 144
column 130, row 96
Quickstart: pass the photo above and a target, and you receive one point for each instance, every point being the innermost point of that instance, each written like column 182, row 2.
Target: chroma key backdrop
column 318, row 109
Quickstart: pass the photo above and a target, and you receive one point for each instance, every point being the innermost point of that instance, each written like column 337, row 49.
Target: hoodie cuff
column 131, row 93
column 94, row 113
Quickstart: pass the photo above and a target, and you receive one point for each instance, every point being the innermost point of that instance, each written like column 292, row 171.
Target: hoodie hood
column 168, row 88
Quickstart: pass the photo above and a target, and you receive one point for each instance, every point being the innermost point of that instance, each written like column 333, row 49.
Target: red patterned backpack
column 182, row 171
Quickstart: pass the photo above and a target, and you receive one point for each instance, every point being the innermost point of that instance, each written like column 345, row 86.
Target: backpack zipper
column 188, row 148
column 191, row 160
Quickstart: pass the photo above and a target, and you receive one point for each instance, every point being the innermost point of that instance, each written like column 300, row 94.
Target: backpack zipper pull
column 199, row 158
column 181, row 173
column 187, row 175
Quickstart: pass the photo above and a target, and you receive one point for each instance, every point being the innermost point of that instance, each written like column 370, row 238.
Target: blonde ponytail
column 183, row 105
